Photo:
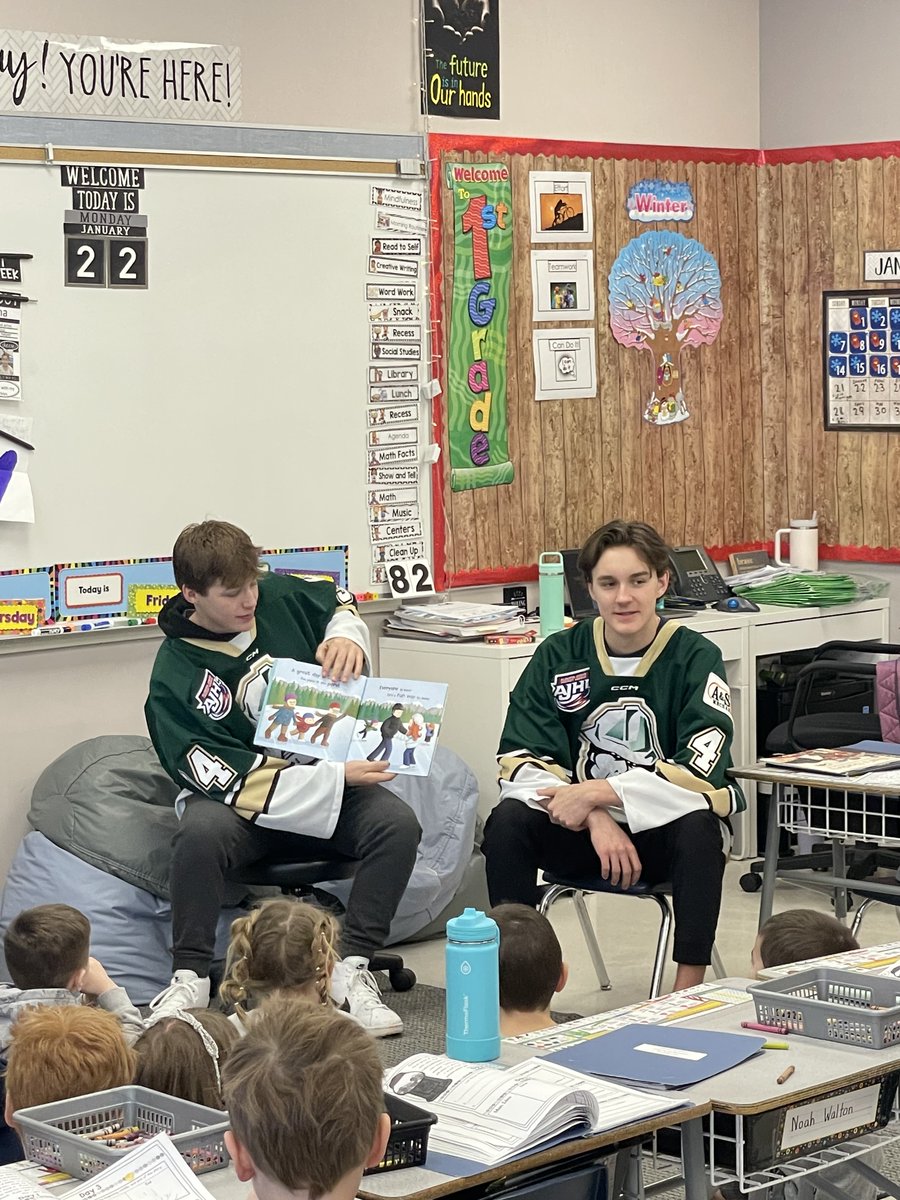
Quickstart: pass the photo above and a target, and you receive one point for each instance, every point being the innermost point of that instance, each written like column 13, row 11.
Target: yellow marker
column 776, row 1046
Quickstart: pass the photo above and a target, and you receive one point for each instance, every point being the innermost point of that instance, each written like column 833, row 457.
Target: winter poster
column 392, row 720
column 665, row 293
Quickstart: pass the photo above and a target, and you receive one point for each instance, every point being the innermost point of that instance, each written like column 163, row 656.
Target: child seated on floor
column 304, row 1090
column 47, row 952
column 183, row 1055
column 789, row 937
column 57, row 1053
column 531, row 968
column 283, row 945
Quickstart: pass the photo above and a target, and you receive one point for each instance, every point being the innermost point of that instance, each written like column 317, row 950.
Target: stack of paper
column 453, row 621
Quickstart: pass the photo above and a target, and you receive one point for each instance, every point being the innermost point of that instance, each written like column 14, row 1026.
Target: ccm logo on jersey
column 572, row 689
column 717, row 694
column 213, row 697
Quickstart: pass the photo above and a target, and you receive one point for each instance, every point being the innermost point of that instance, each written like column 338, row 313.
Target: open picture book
column 384, row 720
column 488, row 1114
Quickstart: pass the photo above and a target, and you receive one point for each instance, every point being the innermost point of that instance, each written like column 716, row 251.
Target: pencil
column 785, row 1075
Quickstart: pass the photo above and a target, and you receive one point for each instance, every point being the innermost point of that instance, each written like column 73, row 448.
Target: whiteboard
column 235, row 386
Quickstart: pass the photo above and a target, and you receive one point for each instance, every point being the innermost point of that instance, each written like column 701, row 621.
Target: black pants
column 687, row 853
column 374, row 826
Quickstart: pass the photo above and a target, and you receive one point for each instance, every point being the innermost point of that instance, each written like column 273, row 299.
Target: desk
column 481, row 678
column 831, row 820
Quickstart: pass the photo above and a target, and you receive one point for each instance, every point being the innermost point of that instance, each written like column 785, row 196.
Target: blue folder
column 668, row 1056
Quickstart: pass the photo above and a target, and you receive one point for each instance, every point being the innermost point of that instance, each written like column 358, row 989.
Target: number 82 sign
column 106, row 262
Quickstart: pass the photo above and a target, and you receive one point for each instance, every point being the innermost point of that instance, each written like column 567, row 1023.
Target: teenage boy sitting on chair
column 304, row 1090
column 614, row 754
column 223, row 630
column 532, row 970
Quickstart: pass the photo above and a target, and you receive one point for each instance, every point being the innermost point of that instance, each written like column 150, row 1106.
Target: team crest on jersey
column 616, row 737
column 213, row 697
column 717, row 694
column 572, row 689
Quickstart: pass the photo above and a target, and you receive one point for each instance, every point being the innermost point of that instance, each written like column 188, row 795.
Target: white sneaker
column 355, row 990
column 187, row 990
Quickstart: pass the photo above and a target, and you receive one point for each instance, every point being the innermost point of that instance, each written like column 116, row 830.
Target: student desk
column 481, row 678
column 788, row 808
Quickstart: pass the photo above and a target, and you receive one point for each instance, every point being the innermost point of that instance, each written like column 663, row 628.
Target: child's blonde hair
column 281, row 944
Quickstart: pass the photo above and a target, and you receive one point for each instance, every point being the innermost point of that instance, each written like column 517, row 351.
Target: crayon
column 775, row 1046
column 764, row 1028
column 785, row 1075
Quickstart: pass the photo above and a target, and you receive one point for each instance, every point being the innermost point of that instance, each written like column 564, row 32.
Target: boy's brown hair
column 282, row 943
column 57, row 1053
column 530, row 958
column 642, row 538
column 45, row 946
column 304, row 1091
column 173, row 1057
column 214, row 552
column 802, row 933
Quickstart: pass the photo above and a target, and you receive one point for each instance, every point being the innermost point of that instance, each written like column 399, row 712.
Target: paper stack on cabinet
column 452, row 620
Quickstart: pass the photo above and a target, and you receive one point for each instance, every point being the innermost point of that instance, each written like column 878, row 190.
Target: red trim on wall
column 438, row 509
column 803, row 154
column 548, row 148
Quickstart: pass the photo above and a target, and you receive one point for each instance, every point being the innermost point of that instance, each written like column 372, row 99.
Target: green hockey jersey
column 659, row 728
column 205, row 695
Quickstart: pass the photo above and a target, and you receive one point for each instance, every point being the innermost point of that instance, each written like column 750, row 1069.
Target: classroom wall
column 653, row 72
column 826, row 69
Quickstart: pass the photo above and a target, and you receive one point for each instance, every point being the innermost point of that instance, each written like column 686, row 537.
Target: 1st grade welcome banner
column 477, row 426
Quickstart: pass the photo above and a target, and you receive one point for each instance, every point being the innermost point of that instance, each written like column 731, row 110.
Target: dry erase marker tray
column 408, row 1144
column 58, row 1135
column 833, row 1005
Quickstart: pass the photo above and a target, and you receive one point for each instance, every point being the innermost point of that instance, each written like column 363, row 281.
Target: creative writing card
column 382, row 720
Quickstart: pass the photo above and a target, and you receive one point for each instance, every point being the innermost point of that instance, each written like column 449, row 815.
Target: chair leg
column 550, row 896
column 662, row 942
column 590, row 938
column 717, row 965
column 861, row 912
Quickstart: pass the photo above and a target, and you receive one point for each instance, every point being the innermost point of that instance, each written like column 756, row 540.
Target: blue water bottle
column 473, row 987
column 550, row 581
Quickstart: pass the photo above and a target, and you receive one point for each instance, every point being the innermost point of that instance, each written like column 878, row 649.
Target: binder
column 667, row 1056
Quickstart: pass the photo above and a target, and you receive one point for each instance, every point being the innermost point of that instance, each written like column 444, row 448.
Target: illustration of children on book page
column 304, row 713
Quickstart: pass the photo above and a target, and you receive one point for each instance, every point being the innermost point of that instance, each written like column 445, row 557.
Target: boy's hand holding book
column 364, row 773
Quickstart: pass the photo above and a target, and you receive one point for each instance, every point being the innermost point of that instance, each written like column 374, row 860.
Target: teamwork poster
column 478, row 432
column 861, row 359
column 562, row 285
column 665, row 293
column 462, row 59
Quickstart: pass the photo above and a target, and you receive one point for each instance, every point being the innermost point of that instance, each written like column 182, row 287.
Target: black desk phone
column 694, row 575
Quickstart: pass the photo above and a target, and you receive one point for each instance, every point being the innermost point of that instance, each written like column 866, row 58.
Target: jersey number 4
column 208, row 770
column 705, row 748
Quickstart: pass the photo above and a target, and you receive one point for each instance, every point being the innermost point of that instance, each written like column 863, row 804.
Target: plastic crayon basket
column 56, row 1135
column 408, row 1143
column 833, row 1005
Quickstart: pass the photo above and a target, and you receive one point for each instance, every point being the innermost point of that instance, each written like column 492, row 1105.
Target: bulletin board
column 237, row 384
column 783, row 227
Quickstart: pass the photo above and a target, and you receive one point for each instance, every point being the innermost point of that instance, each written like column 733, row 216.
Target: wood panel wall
column 754, row 451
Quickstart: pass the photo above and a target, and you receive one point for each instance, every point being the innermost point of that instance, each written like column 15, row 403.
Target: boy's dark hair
column 530, row 958
column 642, row 538
column 214, row 552
column 304, row 1090
column 45, row 946
column 802, row 933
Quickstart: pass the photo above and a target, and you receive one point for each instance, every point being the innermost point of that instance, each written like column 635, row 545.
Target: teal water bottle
column 473, row 987
column 550, row 579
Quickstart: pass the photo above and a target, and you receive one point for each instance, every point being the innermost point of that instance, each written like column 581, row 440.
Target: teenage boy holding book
column 223, row 630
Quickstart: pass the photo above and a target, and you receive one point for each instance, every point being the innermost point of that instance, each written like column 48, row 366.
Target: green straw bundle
column 819, row 589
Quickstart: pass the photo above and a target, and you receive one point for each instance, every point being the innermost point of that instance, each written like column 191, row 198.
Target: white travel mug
column 803, row 537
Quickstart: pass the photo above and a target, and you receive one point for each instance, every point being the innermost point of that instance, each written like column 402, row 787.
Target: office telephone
column 694, row 576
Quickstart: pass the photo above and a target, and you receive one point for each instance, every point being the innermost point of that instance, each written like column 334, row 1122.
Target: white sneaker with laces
column 355, row 989
column 187, row 990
